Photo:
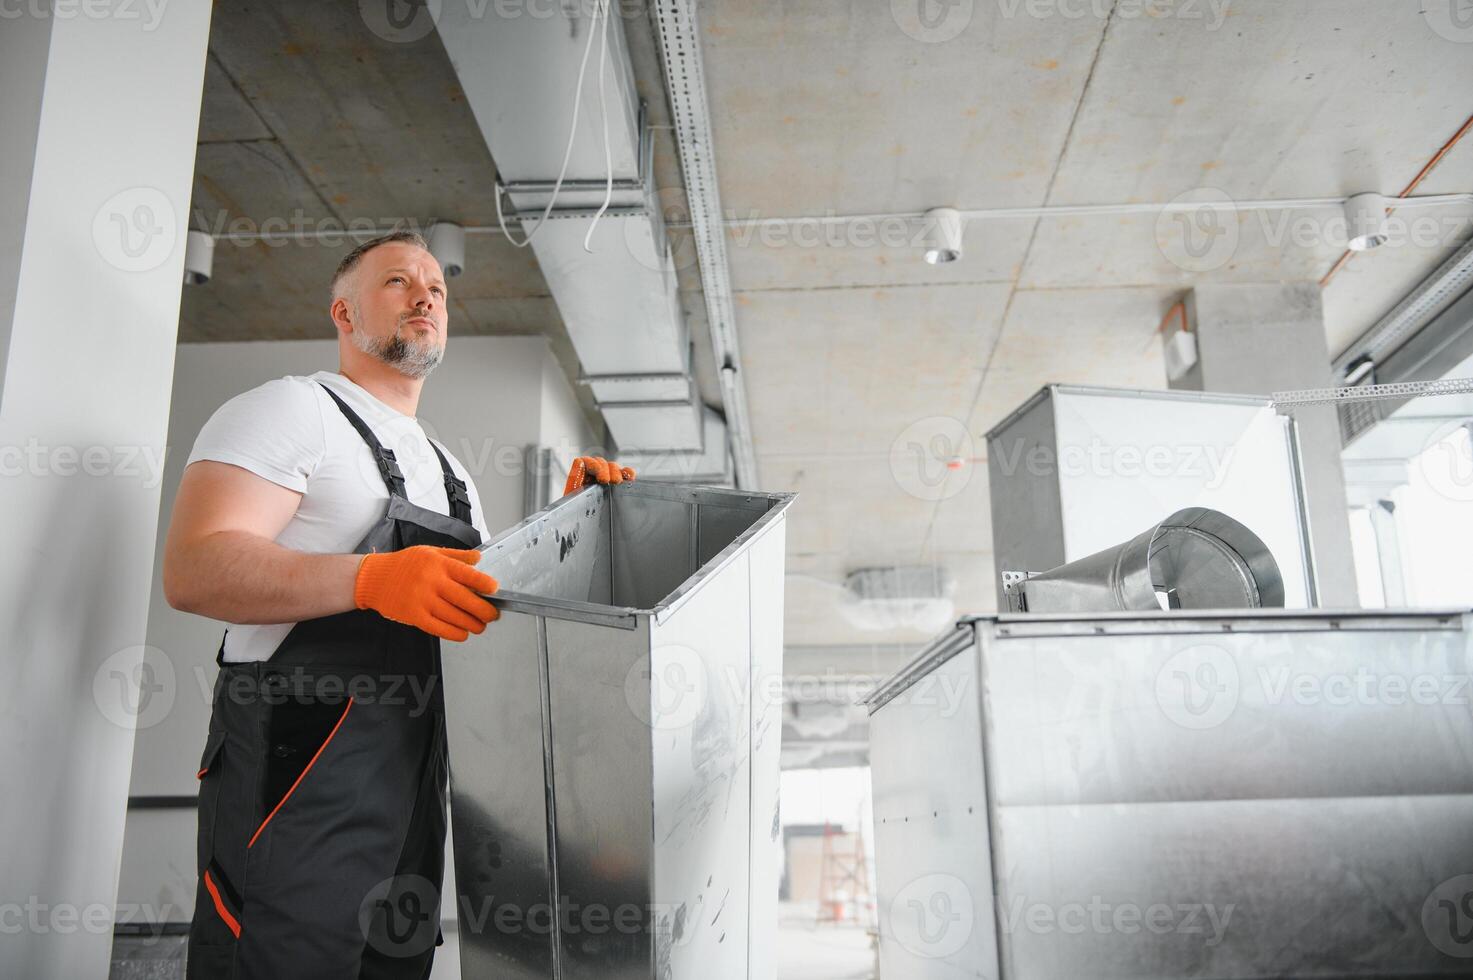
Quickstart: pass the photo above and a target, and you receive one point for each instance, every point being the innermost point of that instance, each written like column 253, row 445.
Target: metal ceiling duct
column 1381, row 346
column 619, row 300
column 710, row 466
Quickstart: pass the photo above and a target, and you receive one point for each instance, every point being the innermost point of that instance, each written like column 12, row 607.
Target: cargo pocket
column 217, row 914
column 209, row 777
column 299, row 733
column 213, row 744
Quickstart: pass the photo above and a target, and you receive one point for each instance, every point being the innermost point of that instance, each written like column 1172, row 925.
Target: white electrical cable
column 603, row 111
column 1067, row 210
column 567, row 152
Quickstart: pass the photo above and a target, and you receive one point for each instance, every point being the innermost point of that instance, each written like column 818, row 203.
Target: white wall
column 490, row 398
column 88, row 309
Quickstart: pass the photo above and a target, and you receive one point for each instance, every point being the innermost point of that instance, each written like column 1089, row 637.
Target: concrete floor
column 807, row 951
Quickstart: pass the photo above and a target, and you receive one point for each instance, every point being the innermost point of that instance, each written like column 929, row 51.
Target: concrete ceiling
column 855, row 351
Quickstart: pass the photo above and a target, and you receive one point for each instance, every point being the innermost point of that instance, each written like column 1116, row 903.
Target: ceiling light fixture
column 199, row 258
column 447, row 244
column 943, row 235
column 1365, row 221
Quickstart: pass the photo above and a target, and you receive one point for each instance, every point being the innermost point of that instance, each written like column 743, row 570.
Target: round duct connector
column 1198, row 558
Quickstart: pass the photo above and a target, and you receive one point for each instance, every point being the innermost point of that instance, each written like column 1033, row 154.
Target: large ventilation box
column 1267, row 793
column 614, row 740
column 1074, row 469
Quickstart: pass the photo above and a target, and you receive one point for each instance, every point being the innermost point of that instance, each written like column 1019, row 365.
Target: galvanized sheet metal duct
column 618, row 300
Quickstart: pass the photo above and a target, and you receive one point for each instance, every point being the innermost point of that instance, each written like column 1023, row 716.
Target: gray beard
column 414, row 359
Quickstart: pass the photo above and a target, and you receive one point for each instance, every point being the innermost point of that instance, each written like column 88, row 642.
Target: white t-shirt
column 291, row 432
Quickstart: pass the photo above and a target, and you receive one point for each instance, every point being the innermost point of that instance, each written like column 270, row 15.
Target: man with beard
column 339, row 541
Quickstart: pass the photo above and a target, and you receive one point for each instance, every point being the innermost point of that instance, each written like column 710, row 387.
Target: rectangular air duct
column 614, row 741
column 618, row 300
column 1167, row 795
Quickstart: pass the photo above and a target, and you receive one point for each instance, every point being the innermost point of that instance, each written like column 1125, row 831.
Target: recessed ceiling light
column 447, row 244
column 1365, row 221
column 943, row 235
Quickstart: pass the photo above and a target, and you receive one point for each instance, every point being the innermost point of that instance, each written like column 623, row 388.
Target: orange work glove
column 597, row 467
column 434, row 589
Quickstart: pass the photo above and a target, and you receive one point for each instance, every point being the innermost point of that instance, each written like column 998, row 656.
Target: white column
column 100, row 123
column 1258, row 338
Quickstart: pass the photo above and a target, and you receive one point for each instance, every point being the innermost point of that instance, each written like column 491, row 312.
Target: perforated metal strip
column 1363, row 393
column 685, row 81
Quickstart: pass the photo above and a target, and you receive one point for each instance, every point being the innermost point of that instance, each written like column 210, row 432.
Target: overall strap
column 455, row 493
column 388, row 466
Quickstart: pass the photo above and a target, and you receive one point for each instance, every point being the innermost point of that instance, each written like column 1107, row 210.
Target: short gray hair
column 351, row 260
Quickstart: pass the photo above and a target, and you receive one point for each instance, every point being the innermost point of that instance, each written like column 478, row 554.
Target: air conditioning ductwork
column 619, row 301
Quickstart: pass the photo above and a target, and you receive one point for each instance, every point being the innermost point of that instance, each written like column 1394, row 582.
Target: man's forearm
column 240, row 577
